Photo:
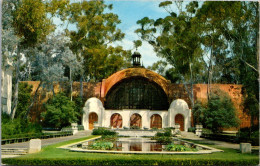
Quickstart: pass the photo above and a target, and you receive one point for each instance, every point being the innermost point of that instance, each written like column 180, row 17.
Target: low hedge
column 81, row 161
column 103, row 131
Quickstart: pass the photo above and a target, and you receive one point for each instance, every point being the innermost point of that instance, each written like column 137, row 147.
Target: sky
column 129, row 12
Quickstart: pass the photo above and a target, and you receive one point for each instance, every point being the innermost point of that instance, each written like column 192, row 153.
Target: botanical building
column 136, row 97
column 140, row 97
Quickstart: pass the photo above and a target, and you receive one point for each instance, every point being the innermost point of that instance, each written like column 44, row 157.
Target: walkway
column 46, row 142
column 192, row 136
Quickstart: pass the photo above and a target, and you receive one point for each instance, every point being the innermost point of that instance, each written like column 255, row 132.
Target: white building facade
column 135, row 98
column 104, row 118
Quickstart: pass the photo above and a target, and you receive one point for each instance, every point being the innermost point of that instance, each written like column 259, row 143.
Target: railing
column 24, row 138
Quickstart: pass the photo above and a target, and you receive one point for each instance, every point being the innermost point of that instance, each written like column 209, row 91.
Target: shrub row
column 220, row 137
column 114, row 161
column 103, row 131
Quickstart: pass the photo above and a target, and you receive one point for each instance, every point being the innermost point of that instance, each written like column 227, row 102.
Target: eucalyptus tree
column 175, row 38
column 234, row 42
column 75, row 65
column 30, row 24
column 48, row 63
column 95, row 31
column 159, row 67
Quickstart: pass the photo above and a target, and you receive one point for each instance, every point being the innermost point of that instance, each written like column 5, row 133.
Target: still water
column 140, row 144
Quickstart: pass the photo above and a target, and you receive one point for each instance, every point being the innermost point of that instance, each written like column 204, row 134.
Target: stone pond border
column 211, row 150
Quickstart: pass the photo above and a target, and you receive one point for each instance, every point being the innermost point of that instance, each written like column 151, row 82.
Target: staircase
column 14, row 151
column 189, row 135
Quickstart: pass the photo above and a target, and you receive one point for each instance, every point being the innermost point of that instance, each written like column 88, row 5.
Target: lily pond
column 126, row 144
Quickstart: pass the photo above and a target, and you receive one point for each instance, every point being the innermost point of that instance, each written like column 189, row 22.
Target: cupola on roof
column 136, row 57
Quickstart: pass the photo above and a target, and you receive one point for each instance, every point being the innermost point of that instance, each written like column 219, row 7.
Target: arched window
column 116, row 121
column 136, row 93
column 136, row 120
column 156, row 121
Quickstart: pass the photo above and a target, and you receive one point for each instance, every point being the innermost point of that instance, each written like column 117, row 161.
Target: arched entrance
column 116, row 121
column 180, row 120
column 93, row 117
column 136, row 120
column 156, row 121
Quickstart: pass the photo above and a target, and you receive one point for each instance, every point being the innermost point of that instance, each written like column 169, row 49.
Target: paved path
column 192, row 136
column 49, row 141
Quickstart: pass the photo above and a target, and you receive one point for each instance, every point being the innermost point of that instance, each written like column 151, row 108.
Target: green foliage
column 249, row 135
column 103, row 131
column 16, row 127
column 109, row 138
column 198, row 113
column 24, row 98
column 100, row 145
column 192, row 129
column 127, row 161
column 219, row 112
column 96, row 28
column 137, row 43
column 60, row 112
column 79, row 104
column 163, row 137
column 178, row 148
column 31, row 21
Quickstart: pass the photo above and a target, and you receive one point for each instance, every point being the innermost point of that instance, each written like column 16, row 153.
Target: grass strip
column 51, row 155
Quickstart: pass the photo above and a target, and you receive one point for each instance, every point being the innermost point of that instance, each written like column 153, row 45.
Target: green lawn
column 57, row 156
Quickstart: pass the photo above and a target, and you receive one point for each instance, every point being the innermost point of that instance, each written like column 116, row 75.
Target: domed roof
column 136, row 54
column 179, row 104
column 135, row 72
column 93, row 102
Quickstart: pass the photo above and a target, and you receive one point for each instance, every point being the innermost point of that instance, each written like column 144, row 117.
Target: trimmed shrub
column 124, row 161
column 103, row 131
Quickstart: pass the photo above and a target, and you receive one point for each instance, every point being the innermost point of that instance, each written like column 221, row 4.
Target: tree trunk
column 191, row 82
column 71, row 88
column 15, row 101
column 81, row 87
column 210, row 72
column 52, row 88
column 33, row 101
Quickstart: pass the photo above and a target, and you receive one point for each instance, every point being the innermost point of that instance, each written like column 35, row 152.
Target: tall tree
column 31, row 25
column 70, row 60
column 176, row 39
column 48, row 63
column 96, row 29
column 235, row 28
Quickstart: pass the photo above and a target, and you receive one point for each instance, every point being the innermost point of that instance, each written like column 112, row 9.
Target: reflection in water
column 139, row 144
column 135, row 146
column 155, row 147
